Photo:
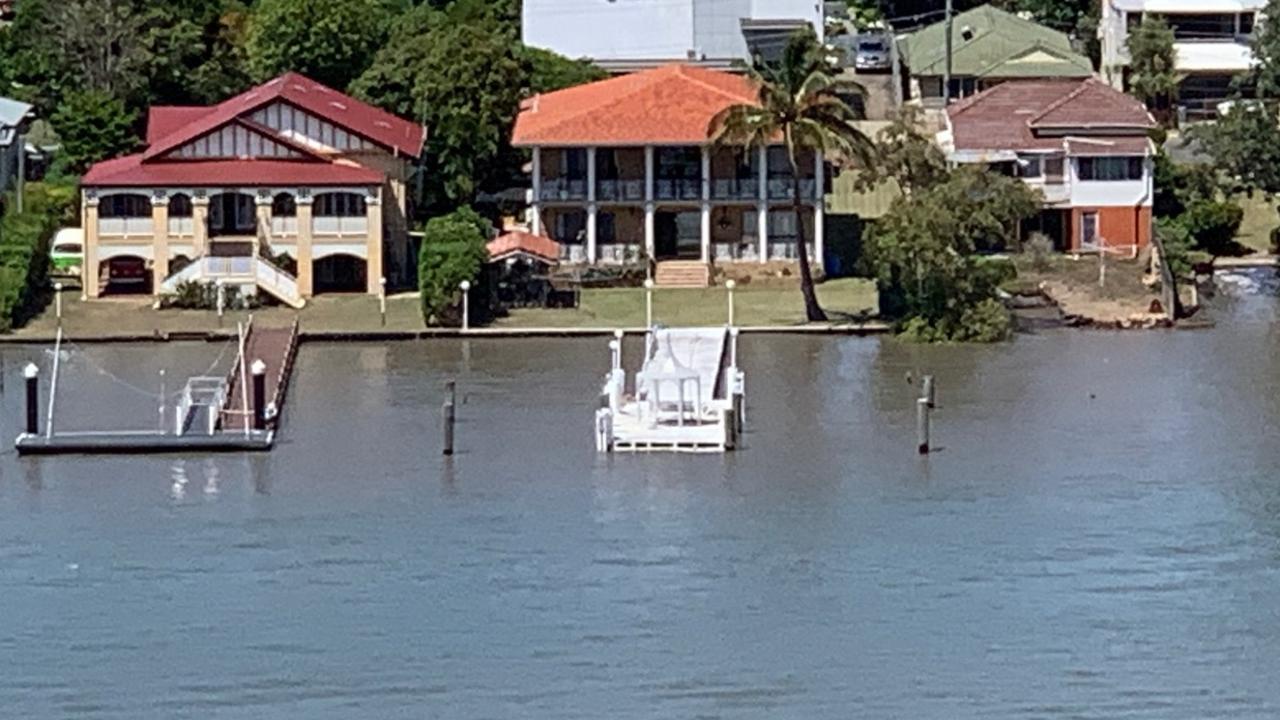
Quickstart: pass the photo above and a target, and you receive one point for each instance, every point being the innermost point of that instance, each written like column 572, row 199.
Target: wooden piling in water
column 922, row 426
column 447, row 417
column 32, row 373
column 928, row 392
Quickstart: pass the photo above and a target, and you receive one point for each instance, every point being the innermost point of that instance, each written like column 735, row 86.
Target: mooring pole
column 259, row 370
column 922, row 426
column 447, row 417
column 928, row 392
column 451, row 388
column 648, row 304
column 162, row 401
column 53, row 384
column 729, row 285
column 32, row 374
column 465, row 286
column 382, row 299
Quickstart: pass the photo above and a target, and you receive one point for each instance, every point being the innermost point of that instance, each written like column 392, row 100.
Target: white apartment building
column 1211, row 38
column 625, row 35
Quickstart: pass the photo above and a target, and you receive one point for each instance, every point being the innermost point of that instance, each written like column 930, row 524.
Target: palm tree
column 797, row 103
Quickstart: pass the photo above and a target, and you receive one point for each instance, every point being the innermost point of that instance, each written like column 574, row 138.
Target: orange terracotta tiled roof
column 519, row 242
column 672, row 104
column 1037, row 114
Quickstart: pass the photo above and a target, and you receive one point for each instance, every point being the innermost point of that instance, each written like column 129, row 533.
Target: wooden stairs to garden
column 682, row 273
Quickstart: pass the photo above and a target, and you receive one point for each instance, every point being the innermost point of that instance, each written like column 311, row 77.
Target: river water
column 1098, row 536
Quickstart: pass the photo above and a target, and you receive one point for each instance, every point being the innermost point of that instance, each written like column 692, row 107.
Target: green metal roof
column 998, row 44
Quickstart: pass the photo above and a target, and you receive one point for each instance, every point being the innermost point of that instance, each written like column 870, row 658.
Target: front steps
column 682, row 274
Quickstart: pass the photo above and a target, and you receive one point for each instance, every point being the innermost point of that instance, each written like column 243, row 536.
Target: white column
column 706, row 204
column 591, row 205
column 819, row 207
column 762, row 204
column 535, row 204
column 648, row 201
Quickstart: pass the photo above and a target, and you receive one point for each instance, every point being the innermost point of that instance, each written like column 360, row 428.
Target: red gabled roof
column 518, row 242
column 164, row 119
column 1037, row 114
column 131, row 171
column 363, row 119
column 672, row 104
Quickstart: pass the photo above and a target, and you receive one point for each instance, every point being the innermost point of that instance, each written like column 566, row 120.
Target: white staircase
column 241, row 270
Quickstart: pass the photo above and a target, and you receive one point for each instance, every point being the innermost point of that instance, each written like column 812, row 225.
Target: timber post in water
column 922, row 426
column 928, row 392
column 259, row 370
column 447, row 418
column 32, row 374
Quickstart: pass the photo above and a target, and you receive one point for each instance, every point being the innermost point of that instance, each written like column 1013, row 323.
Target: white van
column 66, row 253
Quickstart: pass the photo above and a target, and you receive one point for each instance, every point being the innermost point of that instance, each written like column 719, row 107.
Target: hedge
column 24, row 249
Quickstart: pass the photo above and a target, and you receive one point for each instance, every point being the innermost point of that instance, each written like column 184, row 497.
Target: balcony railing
column 782, row 188
column 181, row 226
column 678, row 189
column 284, row 225
column 564, row 189
column 329, row 225
column 620, row 190
column 125, row 226
column 735, row 189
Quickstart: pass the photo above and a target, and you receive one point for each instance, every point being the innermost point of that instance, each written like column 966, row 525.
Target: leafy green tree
column 1265, row 74
column 453, row 250
column 904, row 154
column 419, row 75
column 549, row 72
column 798, row 103
column 331, row 41
column 196, row 51
column 1154, row 77
column 93, row 126
column 925, row 257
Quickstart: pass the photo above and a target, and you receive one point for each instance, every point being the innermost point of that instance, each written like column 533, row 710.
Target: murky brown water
column 1099, row 537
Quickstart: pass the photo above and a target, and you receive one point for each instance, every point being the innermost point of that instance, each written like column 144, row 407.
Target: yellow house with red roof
column 291, row 188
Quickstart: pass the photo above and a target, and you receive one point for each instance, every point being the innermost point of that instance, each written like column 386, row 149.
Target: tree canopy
column 331, row 41
column 1154, row 77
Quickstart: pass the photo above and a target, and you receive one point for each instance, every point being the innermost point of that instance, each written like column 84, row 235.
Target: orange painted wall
column 1117, row 225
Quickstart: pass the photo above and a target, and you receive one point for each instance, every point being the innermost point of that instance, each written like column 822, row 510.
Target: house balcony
column 620, row 190
column 562, row 189
column 735, row 189
column 125, row 227
column 784, row 189
column 677, row 189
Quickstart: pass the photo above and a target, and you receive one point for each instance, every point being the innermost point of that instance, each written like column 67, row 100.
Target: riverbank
column 764, row 307
column 1120, row 297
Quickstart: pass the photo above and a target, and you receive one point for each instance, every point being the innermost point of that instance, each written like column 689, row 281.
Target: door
column 666, row 236
column 1088, row 230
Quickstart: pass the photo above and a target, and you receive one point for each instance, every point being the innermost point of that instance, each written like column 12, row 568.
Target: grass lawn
column 1259, row 219
column 759, row 304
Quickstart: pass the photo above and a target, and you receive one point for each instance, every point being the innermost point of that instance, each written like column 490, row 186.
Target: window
column 284, row 205
column 1029, row 166
column 120, row 206
column 1089, row 230
column 606, row 228
column 571, row 227
column 1110, row 169
column 573, row 163
column 1053, row 169
column 340, row 205
column 1246, row 24
column 180, row 206
column 782, row 225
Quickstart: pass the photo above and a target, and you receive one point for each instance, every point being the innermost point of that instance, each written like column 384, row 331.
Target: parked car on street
column 872, row 52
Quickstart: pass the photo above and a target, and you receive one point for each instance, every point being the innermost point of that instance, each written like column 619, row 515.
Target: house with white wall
column 1211, row 39
column 626, row 35
column 15, row 120
column 1083, row 144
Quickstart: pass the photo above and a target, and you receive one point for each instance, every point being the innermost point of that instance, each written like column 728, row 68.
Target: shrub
column 1212, row 224
column 195, row 295
column 24, row 250
column 453, row 250
column 1176, row 240
column 1039, row 249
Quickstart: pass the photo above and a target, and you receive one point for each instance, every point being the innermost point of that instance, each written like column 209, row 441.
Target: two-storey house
column 292, row 188
column 1083, row 144
column 625, row 169
column 1211, row 39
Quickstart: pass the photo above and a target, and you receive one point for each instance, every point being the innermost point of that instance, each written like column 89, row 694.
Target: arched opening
column 339, row 274
column 180, row 215
column 284, row 214
column 125, row 275
column 340, row 213
column 124, row 214
column 232, row 213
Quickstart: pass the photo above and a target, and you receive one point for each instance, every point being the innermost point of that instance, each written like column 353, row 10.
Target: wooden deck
column 276, row 348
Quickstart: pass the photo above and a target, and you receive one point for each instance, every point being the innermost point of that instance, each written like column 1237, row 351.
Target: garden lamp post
column 382, row 299
column 729, row 285
column 57, row 302
column 465, row 286
column 648, row 303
